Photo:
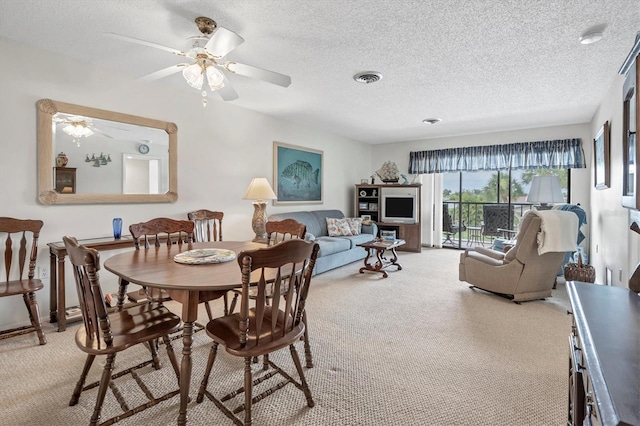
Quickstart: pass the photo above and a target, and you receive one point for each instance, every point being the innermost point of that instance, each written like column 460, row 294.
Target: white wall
column 613, row 245
column 220, row 148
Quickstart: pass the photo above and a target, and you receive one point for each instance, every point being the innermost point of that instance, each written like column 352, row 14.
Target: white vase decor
column 389, row 172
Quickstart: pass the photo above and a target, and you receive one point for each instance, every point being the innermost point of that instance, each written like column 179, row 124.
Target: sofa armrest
column 370, row 229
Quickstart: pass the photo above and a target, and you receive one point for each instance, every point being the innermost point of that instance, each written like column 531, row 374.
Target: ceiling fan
column 207, row 52
column 77, row 126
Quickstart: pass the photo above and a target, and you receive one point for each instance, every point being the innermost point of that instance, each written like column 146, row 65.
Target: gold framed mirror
column 93, row 156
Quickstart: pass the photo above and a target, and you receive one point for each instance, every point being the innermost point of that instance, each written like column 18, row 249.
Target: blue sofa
column 334, row 251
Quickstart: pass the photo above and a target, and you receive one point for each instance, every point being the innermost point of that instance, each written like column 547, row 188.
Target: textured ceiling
column 478, row 65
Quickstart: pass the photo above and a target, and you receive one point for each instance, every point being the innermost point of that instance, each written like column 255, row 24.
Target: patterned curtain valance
column 557, row 154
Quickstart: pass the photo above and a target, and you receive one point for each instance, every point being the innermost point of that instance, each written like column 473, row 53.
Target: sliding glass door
column 466, row 196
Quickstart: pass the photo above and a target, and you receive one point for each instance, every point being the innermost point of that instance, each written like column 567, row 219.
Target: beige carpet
column 417, row 348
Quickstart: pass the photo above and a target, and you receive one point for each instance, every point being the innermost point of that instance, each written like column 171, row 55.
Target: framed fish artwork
column 297, row 174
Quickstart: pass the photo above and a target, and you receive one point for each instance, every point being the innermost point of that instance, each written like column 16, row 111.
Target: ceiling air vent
column 431, row 120
column 367, row 77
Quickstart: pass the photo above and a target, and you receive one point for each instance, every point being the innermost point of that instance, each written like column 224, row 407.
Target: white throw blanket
column 558, row 231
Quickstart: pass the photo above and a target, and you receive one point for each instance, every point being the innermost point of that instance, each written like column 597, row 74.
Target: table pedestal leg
column 122, row 292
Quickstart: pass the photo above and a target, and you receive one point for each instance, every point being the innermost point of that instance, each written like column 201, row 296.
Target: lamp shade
column 545, row 189
column 259, row 189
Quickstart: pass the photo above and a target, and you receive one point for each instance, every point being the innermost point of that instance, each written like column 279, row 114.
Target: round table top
column 155, row 267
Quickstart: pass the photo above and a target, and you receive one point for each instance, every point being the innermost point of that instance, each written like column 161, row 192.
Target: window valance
column 556, row 154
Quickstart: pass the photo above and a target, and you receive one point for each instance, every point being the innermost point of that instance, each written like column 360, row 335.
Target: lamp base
column 258, row 221
column 544, row 206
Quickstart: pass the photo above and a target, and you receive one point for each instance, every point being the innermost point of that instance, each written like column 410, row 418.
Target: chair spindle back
column 86, row 264
column 208, row 225
column 279, row 231
column 10, row 226
column 292, row 261
column 175, row 231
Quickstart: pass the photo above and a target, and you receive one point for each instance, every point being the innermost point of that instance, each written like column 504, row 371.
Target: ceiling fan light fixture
column 214, row 78
column 194, row 75
column 77, row 129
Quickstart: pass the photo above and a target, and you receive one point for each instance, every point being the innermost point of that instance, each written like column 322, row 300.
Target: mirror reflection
column 99, row 149
column 88, row 155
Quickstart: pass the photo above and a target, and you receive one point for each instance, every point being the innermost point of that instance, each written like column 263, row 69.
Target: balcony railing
column 468, row 219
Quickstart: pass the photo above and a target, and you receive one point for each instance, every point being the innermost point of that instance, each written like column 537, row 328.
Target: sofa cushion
column 308, row 218
column 355, row 223
column 338, row 227
column 331, row 245
column 321, row 219
column 354, row 240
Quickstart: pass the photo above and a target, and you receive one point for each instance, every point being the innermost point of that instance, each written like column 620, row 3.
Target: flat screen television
column 399, row 205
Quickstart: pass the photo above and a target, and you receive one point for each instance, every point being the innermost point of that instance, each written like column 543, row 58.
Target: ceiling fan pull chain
column 204, row 98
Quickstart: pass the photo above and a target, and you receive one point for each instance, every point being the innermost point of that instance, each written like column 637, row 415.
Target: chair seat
column 11, row 288
column 225, row 331
column 131, row 326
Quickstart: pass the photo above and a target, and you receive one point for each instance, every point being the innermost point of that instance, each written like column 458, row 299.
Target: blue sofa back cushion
column 321, row 217
column 316, row 220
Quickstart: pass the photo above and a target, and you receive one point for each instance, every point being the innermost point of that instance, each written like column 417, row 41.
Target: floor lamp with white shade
column 259, row 190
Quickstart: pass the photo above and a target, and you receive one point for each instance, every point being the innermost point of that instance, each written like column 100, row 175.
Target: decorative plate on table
column 204, row 256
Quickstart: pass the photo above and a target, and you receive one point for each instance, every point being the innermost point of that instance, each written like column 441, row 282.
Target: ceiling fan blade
column 163, row 72
column 102, row 133
column 227, row 93
column 259, row 73
column 222, row 42
column 146, row 43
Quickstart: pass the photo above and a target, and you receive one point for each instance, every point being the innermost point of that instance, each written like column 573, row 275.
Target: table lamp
column 259, row 190
column 545, row 190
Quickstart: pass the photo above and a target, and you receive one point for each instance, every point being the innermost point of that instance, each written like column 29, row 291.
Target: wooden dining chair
column 208, row 227
column 161, row 230
column 207, row 224
column 277, row 232
column 107, row 334
column 26, row 233
column 266, row 328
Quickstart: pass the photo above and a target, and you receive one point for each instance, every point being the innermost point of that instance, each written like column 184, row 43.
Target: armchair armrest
column 491, row 253
column 487, row 260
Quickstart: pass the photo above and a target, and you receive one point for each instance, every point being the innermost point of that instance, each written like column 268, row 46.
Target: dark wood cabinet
column 604, row 356
column 65, row 180
column 368, row 201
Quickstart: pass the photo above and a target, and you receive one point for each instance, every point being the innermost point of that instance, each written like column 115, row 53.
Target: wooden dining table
column 155, row 267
